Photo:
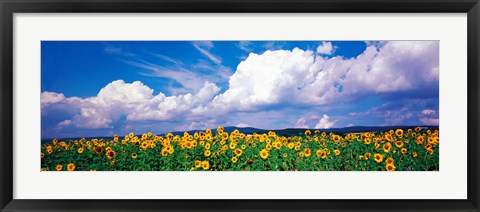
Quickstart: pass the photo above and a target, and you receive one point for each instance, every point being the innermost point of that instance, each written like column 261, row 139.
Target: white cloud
column 242, row 125
column 203, row 48
column 325, row 123
column 302, row 123
column 245, row 46
column 428, row 112
column 299, row 77
column 429, row 121
column 131, row 101
column 326, row 48
column 201, row 125
column 51, row 98
column 64, row 123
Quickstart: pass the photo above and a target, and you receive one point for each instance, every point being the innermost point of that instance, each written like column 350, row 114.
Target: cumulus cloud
column 130, row 101
column 325, row 123
column 429, row 117
column 65, row 123
column 301, row 123
column 198, row 125
column 51, row 98
column 326, row 48
column 300, row 77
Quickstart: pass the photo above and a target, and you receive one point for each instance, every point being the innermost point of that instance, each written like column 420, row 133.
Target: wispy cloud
column 116, row 50
column 245, row 46
column 204, row 47
column 165, row 58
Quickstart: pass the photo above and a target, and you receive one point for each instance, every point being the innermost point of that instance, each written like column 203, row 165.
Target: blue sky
column 99, row 88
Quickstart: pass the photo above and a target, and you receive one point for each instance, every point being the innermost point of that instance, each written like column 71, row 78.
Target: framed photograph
column 225, row 106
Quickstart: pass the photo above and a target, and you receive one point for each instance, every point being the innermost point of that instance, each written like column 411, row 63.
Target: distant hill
column 296, row 131
column 284, row 132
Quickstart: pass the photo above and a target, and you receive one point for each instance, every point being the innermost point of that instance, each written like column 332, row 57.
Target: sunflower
column 430, row 140
column 207, row 146
column 336, row 138
column 387, row 146
column 428, row 146
column 144, row 145
column 367, row 156
column 224, row 135
column 389, row 160
column 430, row 151
column 319, row 153
column 134, row 155
column 307, row 152
column 268, row 147
column 414, row 154
column 224, row 147
column 98, row 149
column 323, row 155
column 71, row 167
column 368, row 141
column 59, row 167
column 399, row 144
column 378, row 158
column 337, row 152
column 164, row 152
column 205, row 165
column 264, row 154
column 404, row 151
column 290, row 145
column 285, row 155
column 80, row 150
column 111, row 154
column 399, row 132
column 308, row 133
column 238, row 152
column 234, row 159
column 171, row 150
column 207, row 153
column 232, row 145
column 131, row 135
column 420, row 140
column 277, row 145
column 42, row 155
column 390, row 167
column 198, row 164
column 244, row 146
column 389, row 137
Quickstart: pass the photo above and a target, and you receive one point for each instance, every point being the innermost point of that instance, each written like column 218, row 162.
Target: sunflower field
column 395, row 150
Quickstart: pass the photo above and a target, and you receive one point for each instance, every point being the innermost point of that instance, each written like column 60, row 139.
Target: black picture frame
column 9, row 7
